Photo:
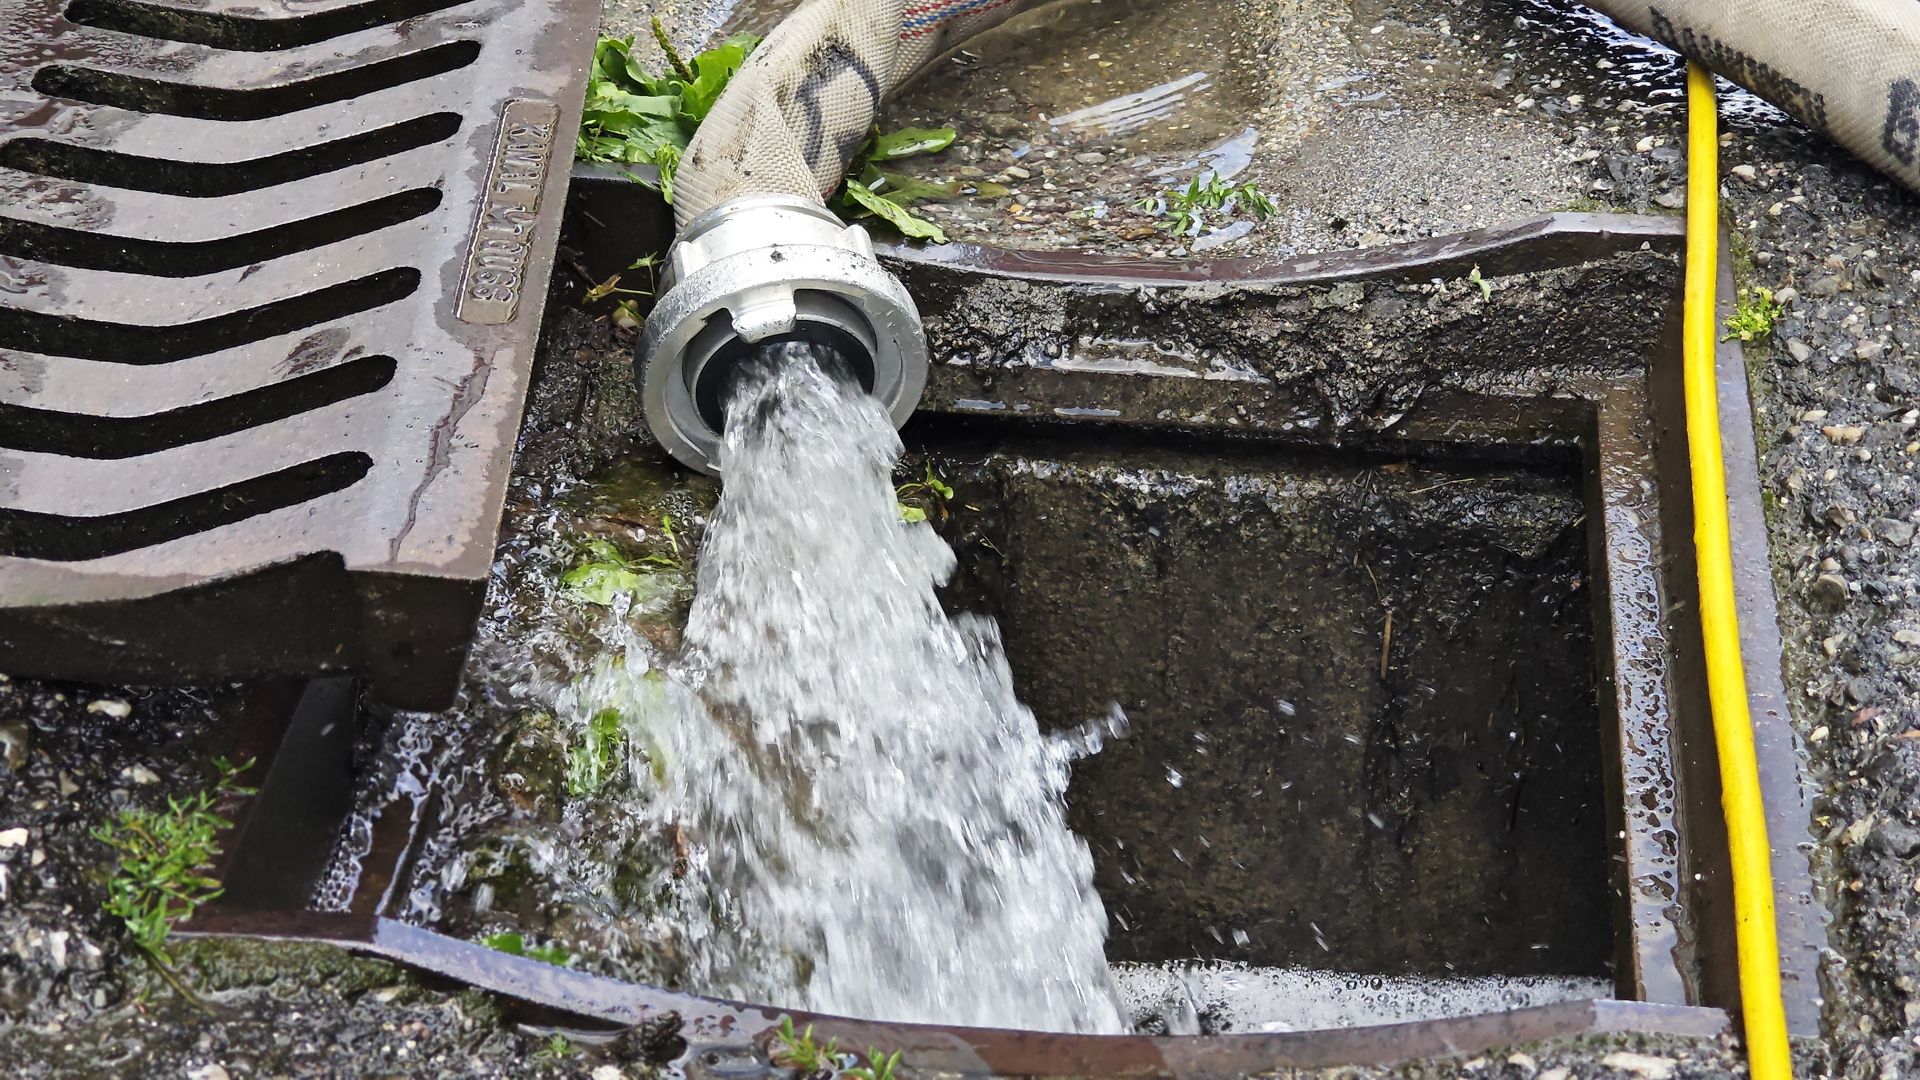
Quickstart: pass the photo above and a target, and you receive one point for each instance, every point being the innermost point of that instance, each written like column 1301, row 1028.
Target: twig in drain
column 1443, row 483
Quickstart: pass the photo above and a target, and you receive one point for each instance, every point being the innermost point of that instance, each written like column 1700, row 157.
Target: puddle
column 1325, row 106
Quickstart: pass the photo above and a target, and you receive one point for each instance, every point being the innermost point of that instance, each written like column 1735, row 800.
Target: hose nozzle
column 760, row 270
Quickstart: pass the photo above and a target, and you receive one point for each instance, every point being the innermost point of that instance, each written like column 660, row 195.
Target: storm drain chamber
column 1392, row 580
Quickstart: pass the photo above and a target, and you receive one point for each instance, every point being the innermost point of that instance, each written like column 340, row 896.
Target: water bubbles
column 883, row 820
column 1225, row 996
column 1174, row 779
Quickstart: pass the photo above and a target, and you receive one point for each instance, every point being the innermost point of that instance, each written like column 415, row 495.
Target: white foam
column 1191, row 999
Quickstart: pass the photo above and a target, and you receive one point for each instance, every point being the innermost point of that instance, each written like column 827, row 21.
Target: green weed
column 606, row 573
column 556, row 1048
column 626, row 311
column 930, row 487
column 800, row 1052
column 514, row 944
column 879, row 1066
column 633, row 116
column 592, row 759
column 1474, row 278
column 1185, row 211
column 164, row 857
column 797, row 1050
column 1754, row 313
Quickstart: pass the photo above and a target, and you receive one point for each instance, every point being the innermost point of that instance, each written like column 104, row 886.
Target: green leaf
column 513, row 944
column 904, row 189
column 509, row 942
column 909, row 224
column 600, row 583
column 592, row 759
column 611, row 57
column 911, row 514
column 713, row 69
column 666, row 158
column 910, row 142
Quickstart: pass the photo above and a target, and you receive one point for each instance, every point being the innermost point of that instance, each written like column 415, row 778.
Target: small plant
column 1205, row 194
column 593, row 757
column 556, row 1048
column 164, row 856
column 1486, row 290
column 606, row 572
column 799, row 1051
column 1754, row 313
column 879, row 1066
column 636, row 117
column 626, row 312
column 514, row 944
column 930, row 486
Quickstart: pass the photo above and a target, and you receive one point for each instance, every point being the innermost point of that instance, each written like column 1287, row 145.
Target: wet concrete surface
column 1835, row 398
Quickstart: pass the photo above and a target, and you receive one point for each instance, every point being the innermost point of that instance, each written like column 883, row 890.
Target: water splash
column 877, row 817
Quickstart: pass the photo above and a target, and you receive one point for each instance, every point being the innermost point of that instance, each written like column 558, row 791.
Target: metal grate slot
column 253, row 416
column 78, row 435
column 212, row 179
column 139, row 94
column 118, row 343
column 242, row 32
column 167, row 258
column 27, row 534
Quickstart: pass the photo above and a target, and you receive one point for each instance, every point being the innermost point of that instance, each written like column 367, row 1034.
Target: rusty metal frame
column 1626, row 433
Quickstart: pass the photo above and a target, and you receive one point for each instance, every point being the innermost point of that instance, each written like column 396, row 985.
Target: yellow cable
column 1765, row 1022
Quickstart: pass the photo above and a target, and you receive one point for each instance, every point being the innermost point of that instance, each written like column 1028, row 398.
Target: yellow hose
column 1765, row 1020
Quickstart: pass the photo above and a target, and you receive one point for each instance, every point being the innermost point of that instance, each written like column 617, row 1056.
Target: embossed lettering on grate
column 271, row 274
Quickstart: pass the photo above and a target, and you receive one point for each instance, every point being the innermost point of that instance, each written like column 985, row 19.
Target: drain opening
column 1379, row 754
column 119, row 343
column 210, row 179
column 139, row 94
column 246, row 33
column 163, row 258
column 28, row 534
column 79, row 435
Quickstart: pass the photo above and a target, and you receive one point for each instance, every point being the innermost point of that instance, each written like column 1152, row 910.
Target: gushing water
column 878, row 817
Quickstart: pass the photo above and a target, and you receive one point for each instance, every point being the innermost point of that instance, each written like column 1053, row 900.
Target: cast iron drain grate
column 271, row 276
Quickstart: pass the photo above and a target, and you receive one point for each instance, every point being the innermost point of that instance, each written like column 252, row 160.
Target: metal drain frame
column 1625, row 433
column 271, row 278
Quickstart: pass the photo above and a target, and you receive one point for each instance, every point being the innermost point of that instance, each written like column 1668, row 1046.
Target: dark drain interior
column 1379, row 752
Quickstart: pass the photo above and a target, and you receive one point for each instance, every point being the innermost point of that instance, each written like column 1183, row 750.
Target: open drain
column 1457, row 662
column 269, row 292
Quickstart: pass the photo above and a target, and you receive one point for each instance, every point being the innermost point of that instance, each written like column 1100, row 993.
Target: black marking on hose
column 824, row 65
column 165, row 258
column 30, row 534
column 82, row 435
column 1756, row 75
column 211, row 179
column 119, row 343
column 246, row 33
column 1901, row 138
column 138, row 93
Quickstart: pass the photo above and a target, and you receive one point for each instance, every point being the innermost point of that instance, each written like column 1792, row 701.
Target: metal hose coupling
column 760, row 270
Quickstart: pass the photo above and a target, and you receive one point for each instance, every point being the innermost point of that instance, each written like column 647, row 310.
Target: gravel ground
column 1550, row 112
